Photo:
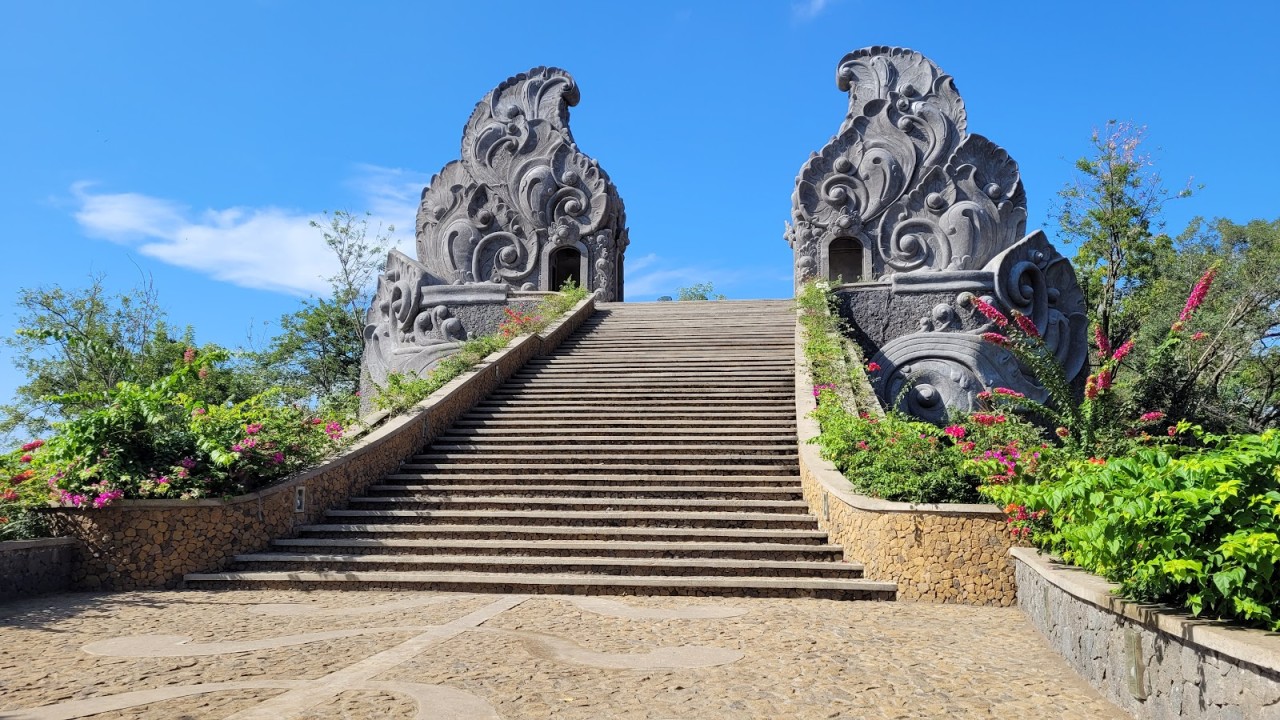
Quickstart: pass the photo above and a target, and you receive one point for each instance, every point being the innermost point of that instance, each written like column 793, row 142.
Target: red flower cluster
column 1008, row 393
column 32, row 445
column 1198, row 294
column 990, row 312
column 987, row 419
column 873, row 367
column 1026, row 325
column 997, row 339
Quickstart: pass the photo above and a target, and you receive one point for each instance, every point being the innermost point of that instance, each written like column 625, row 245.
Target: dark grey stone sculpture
column 524, row 209
column 915, row 217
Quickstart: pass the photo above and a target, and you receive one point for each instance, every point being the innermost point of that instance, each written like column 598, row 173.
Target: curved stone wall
column 936, row 553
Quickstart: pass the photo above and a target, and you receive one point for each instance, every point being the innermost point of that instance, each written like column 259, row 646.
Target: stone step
column 559, row 583
column 320, row 562
column 589, row 479
column 595, row 459
column 654, row 468
column 564, row 548
column 651, row 395
column 585, row 518
column 696, row 432
column 575, row 425
column 741, row 492
column 658, row 413
column 576, row 504
column 461, row 531
column 637, row 446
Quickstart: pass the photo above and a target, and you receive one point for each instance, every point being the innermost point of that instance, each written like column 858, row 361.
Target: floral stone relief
column 923, row 216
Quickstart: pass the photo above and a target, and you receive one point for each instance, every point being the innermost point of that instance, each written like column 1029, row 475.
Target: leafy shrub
column 1193, row 528
column 894, row 457
column 164, row 439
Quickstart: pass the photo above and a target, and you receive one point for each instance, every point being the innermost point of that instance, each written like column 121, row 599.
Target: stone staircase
column 653, row 453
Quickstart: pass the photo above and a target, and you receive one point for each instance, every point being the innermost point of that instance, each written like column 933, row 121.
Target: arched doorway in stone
column 844, row 260
column 566, row 264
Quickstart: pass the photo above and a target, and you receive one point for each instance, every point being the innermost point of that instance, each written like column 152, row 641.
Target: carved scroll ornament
column 941, row 213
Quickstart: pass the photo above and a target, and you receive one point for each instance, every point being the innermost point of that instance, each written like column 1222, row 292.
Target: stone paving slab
column 328, row 654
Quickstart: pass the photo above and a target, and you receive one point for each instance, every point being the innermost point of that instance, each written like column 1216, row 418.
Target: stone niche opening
column 844, row 261
column 566, row 264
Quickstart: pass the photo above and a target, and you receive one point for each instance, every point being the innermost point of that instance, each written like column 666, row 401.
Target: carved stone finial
column 523, row 209
column 906, row 202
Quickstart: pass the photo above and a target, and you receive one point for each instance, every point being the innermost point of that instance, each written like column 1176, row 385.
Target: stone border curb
column 138, row 544
column 935, row 552
column 1256, row 647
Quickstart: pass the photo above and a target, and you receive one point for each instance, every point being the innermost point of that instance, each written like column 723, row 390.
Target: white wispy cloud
column 809, row 9
column 269, row 248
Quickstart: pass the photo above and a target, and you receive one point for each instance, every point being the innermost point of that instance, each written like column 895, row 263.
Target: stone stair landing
column 653, row 453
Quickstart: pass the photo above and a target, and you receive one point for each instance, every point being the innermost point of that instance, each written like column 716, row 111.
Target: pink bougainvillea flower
column 199, row 411
column 1099, row 339
column 1173, row 430
column 1197, row 337
column 277, row 458
column 1152, row 416
column 990, row 312
column 34, row 444
column 26, row 458
column 1007, row 392
column 202, row 373
column 955, row 431
column 984, row 395
column 253, row 428
column 189, row 355
column 1198, row 294
column 997, row 339
column 1104, row 378
column 873, row 367
column 1124, row 349
column 1026, row 325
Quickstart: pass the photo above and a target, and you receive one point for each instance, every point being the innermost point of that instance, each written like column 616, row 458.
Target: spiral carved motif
column 942, row 215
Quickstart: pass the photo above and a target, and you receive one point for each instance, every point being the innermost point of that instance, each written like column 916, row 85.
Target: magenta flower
column 253, row 428
column 990, row 312
column 277, row 458
column 34, row 444
column 955, row 431
column 199, row 411
column 189, row 355
column 187, row 463
column 1122, row 351
column 1008, row 393
column 997, row 339
column 873, row 367
column 1198, row 294
column 26, row 458
column 1026, row 325
column 1100, row 339
column 1151, row 416
column 237, row 448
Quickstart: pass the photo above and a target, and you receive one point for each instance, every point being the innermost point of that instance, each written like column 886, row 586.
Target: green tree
column 699, row 291
column 316, row 356
column 1223, row 370
column 74, row 346
column 1111, row 210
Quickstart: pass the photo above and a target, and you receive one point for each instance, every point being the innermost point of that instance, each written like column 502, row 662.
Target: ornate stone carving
column 491, row 222
column 521, row 187
column 940, row 216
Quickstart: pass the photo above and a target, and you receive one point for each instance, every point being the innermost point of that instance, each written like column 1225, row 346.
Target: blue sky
column 193, row 142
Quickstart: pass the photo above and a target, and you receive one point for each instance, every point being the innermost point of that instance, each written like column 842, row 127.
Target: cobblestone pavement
column 314, row 655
